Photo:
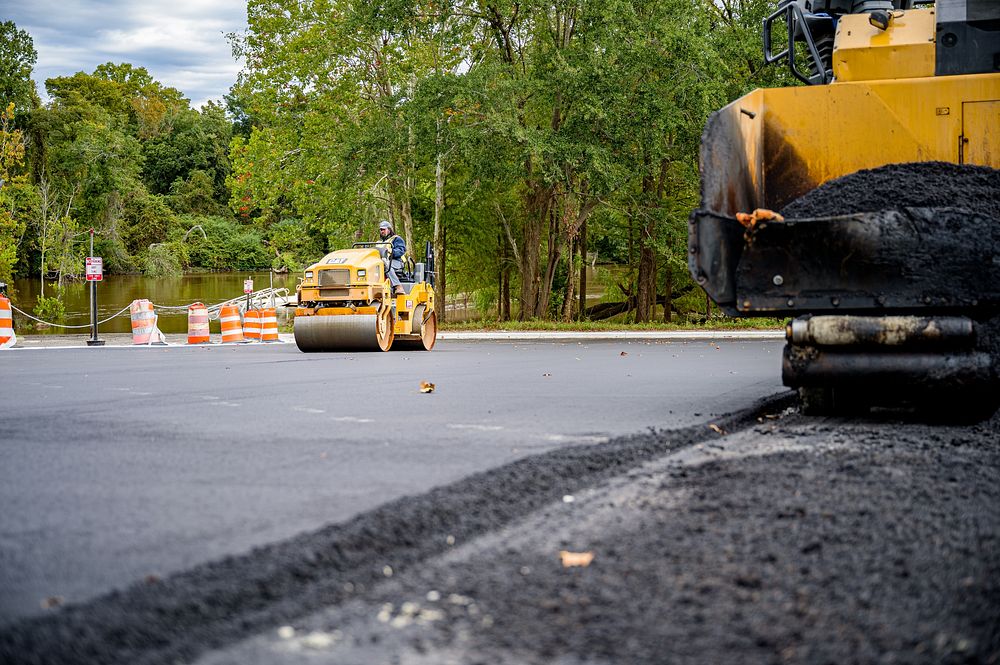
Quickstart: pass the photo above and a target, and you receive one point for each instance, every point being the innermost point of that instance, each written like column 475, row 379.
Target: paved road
column 119, row 463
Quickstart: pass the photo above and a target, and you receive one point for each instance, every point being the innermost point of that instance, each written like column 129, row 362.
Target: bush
column 161, row 261
column 225, row 245
column 50, row 309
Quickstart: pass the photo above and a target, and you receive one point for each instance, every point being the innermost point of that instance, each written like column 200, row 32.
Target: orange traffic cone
column 251, row 325
column 7, row 336
column 198, row 324
column 144, row 330
column 232, row 328
column 269, row 325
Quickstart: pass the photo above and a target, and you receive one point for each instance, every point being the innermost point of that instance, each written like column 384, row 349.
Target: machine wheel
column 426, row 329
column 384, row 330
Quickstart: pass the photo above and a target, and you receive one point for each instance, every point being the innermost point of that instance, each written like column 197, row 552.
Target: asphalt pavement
column 123, row 464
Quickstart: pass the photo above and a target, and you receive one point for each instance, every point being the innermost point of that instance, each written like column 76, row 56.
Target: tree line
column 519, row 138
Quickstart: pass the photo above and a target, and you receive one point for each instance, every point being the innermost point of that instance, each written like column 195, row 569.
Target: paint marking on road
column 566, row 438
column 306, row 409
column 142, row 393
column 480, row 428
column 351, row 419
column 210, row 397
column 225, row 404
column 55, row 387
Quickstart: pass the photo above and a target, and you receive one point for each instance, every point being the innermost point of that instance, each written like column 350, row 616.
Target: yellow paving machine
column 345, row 303
column 898, row 298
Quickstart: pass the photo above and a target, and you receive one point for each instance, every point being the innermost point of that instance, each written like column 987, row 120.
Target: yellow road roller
column 345, row 303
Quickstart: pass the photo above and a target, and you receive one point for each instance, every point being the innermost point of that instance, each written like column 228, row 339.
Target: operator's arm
column 398, row 247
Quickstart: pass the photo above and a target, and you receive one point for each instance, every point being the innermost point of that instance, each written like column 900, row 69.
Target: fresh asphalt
column 123, row 463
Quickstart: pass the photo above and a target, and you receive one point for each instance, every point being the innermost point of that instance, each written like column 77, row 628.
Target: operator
column 387, row 235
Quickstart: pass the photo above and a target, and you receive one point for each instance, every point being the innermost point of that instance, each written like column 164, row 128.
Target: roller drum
column 351, row 332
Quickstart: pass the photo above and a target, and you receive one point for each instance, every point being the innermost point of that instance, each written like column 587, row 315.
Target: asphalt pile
column 910, row 185
column 760, row 538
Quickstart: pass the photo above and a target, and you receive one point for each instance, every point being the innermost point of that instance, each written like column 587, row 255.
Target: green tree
column 17, row 197
column 17, row 60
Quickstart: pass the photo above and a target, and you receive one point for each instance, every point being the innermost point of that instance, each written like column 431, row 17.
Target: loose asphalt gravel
column 762, row 537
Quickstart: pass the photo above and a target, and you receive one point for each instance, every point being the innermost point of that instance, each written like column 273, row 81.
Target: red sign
column 95, row 269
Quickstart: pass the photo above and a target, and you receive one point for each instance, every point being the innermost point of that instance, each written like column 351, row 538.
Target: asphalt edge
column 222, row 602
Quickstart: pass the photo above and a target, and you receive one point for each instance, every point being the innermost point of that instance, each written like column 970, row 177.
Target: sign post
column 95, row 273
column 248, row 289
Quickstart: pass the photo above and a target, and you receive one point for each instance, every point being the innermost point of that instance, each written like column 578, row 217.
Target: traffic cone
column 269, row 325
column 144, row 330
column 251, row 325
column 7, row 336
column 232, row 328
column 198, row 324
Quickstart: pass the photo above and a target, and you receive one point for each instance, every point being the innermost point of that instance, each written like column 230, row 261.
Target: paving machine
column 345, row 303
column 895, row 304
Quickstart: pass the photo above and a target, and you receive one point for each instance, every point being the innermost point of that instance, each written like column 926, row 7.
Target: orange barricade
column 144, row 330
column 198, row 324
column 7, row 336
column 251, row 325
column 269, row 325
column 232, row 328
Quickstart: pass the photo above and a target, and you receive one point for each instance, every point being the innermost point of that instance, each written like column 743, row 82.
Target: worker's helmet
column 385, row 225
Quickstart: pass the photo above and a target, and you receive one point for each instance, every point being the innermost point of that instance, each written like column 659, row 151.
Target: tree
column 17, row 60
column 16, row 195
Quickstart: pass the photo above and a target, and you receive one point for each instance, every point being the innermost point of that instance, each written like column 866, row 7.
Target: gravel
column 910, row 185
column 759, row 538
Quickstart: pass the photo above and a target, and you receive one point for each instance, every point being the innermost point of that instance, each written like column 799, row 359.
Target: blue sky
column 181, row 43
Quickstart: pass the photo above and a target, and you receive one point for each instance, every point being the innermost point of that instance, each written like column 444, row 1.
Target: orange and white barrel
column 198, row 324
column 232, row 327
column 269, row 325
column 144, row 329
column 251, row 325
column 7, row 336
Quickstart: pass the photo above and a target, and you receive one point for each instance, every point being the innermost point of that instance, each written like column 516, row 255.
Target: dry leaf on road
column 715, row 428
column 575, row 559
column 623, row 353
column 426, row 387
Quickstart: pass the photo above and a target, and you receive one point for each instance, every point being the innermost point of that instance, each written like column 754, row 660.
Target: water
column 117, row 291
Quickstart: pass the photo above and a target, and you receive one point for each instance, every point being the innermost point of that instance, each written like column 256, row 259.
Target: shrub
column 161, row 261
column 50, row 308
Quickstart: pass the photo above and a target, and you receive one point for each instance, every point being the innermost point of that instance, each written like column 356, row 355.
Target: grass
column 720, row 323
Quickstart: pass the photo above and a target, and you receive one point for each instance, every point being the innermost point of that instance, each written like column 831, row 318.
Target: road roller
column 893, row 284
column 345, row 303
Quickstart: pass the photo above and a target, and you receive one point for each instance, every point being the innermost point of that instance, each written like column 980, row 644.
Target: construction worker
column 387, row 235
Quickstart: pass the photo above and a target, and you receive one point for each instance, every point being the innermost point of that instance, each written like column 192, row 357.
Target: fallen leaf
column 623, row 353
column 546, row 374
column 52, row 601
column 715, row 428
column 426, row 387
column 575, row 559
column 151, row 579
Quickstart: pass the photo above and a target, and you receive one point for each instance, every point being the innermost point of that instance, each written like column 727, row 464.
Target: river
column 117, row 291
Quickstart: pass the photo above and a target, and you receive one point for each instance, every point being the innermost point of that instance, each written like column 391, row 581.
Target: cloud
column 182, row 43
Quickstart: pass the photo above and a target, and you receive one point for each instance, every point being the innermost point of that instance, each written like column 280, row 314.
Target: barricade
column 144, row 330
column 198, row 324
column 232, row 327
column 251, row 325
column 7, row 336
column 269, row 324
